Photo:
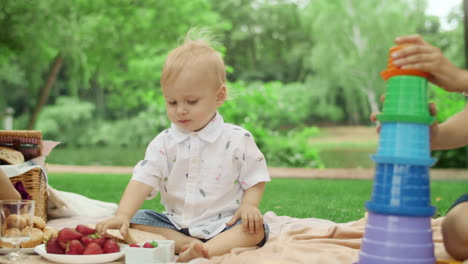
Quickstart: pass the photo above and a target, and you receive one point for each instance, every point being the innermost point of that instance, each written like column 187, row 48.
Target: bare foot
column 193, row 251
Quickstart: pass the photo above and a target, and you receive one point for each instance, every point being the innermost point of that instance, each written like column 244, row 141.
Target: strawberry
column 96, row 238
column 67, row 234
column 53, row 247
column 151, row 244
column 134, row 245
column 93, row 249
column 86, row 240
column 84, row 230
column 111, row 246
column 75, row 248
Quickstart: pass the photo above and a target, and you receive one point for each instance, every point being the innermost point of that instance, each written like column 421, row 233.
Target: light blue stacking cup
column 404, row 140
column 401, row 188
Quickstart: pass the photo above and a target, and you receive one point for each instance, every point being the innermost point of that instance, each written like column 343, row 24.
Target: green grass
column 336, row 200
column 102, row 156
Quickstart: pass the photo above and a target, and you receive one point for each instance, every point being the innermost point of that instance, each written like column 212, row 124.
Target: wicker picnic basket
column 29, row 142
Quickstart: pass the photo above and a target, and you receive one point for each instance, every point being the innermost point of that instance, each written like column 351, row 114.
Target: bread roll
column 36, row 239
column 10, row 156
column 16, row 221
column 39, row 222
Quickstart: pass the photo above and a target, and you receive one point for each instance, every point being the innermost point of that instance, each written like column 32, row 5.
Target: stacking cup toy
column 404, row 140
column 401, row 189
column 406, row 100
column 406, row 97
column 393, row 70
column 397, row 240
column 399, row 222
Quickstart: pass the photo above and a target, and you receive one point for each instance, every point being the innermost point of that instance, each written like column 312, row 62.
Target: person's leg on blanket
column 222, row 243
column 190, row 248
column 455, row 229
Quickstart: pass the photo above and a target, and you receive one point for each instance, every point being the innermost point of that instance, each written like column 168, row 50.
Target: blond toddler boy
column 210, row 174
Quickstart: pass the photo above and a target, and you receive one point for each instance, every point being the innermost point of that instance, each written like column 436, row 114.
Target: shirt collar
column 209, row 133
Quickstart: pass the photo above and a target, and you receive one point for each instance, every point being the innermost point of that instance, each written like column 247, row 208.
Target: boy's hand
column 252, row 218
column 116, row 222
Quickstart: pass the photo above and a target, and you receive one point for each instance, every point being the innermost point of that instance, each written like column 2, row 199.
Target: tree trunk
column 45, row 90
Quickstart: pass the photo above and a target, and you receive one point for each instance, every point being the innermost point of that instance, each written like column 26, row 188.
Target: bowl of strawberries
column 80, row 245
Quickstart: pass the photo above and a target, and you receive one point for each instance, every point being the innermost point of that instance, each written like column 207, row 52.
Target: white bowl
column 163, row 253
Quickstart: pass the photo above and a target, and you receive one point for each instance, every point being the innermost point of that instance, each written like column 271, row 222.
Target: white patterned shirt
column 202, row 175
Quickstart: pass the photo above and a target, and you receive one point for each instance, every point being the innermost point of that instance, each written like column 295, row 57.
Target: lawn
column 336, row 200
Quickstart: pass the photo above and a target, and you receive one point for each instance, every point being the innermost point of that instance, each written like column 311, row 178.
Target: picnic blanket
column 311, row 241
column 294, row 240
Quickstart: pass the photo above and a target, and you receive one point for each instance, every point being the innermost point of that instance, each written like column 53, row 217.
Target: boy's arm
column 254, row 194
column 453, row 133
column 133, row 197
column 252, row 219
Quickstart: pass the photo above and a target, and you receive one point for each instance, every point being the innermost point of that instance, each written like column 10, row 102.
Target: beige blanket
column 293, row 240
column 311, row 241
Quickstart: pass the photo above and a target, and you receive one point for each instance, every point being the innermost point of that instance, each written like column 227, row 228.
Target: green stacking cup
column 406, row 100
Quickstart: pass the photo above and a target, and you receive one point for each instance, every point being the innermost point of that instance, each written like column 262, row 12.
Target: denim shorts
column 152, row 218
column 461, row 199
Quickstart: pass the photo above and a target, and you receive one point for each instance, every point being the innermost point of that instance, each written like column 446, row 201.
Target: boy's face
column 192, row 99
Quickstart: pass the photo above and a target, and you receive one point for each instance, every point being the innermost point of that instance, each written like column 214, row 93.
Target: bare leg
column 232, row 238
column 221, row 244
column 455, row 231
column 180, row 239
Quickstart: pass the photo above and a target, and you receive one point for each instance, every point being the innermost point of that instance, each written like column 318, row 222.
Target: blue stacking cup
column 400, row 188
column 390, row 239
column 404, row 140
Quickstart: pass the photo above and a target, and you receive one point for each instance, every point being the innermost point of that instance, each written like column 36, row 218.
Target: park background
column 303, row 77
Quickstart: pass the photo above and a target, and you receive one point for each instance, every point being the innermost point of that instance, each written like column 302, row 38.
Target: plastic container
column 404, row 140
column 401, row 189
column 392, row 239
column 164, row 253
column 406, row 100
column 393, row 70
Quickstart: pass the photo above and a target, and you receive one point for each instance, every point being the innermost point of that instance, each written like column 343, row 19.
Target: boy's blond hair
column 192, row 52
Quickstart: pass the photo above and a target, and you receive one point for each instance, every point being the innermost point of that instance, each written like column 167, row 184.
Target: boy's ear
column 221, row 94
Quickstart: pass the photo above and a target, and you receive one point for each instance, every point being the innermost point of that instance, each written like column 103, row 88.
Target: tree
column 112, row 50
column 351, row 45
column 265, row 40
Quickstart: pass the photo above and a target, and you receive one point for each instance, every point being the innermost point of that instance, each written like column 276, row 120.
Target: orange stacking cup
column 393, row 70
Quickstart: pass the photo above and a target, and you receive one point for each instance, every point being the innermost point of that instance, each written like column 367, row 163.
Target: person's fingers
column 410, row 39
column 258, row 224
column 432, row 109
column 124, row 229
column 379, row 127
column 233, row 220
column 373, row 116
column 102, row 229
column 252, row 224
column 382, row 98
column 245, row 223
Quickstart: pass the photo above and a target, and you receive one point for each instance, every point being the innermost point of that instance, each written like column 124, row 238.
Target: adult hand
column 421, row 55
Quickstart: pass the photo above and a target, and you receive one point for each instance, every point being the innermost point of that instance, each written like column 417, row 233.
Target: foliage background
column 293, row 66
